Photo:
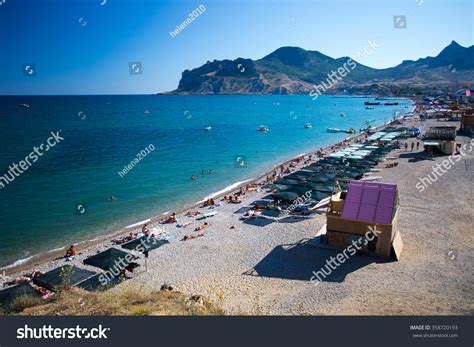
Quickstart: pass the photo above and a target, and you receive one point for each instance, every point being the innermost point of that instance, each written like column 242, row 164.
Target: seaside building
column 441, row 137
column 467, row 124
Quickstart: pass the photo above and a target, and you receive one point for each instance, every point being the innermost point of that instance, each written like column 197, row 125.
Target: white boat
column 308, row 126
column 342, row 114
column 146, row 112
column 333, row 130
column 24, row 105
column 262, row 128
column 208, row 128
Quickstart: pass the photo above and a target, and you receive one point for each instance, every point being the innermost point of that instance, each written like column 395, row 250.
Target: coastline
column 50, row 255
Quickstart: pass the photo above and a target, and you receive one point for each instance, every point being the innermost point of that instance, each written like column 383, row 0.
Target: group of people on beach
column 412, row 145
column 23, row 279
column 209, row 202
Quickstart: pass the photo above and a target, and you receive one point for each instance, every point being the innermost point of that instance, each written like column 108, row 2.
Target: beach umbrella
column 313, row 168
column 296, row 176
column 324, row 188
column 64, row 276
column 303, row 174
column 109, row 258
column 7, row 296
column 95, row 283
column 321, row 178
column 286, row 181
column 145, row 244
column 318, row 196
column 288, row 196
column 300, row 190
column 281, row 187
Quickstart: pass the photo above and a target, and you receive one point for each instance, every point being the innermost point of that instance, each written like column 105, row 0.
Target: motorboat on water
column 350, row 131
column 24, row 105
column 208, row 128
column 308, row 126
column 337, row 130
column 262, row 128
column 342, row 114
column 146, row 111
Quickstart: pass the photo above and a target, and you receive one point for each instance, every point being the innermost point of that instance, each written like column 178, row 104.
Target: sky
column 87, row 46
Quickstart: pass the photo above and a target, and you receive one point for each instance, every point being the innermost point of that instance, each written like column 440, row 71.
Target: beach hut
column 63, row 277
column 366, row 206
column 9, row 295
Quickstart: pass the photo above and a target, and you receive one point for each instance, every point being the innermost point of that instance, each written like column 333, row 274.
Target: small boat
column 391, row 104
column 342, row 114
column 262, row 128
column 208, row 128
column 333, row 130
column 350, row 131
column 146, row 111
column 308, row 126
column 24, row 105
column 368, row 103
column 369, row 108
column 380, row 98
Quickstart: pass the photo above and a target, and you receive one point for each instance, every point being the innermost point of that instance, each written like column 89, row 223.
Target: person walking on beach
column 406, row 146
column 412, row 146
column 417, row 145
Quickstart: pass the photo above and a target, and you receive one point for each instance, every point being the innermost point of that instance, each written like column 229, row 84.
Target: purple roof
column 370, row 202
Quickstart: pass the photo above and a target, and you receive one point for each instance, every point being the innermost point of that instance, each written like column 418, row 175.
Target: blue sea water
column 102, row 134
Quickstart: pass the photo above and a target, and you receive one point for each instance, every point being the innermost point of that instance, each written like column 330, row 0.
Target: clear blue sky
column 71, row 58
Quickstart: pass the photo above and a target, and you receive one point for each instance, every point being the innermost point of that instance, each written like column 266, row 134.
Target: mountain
column 293, row 70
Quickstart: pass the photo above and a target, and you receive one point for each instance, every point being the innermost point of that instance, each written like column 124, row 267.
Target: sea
column 115, row 160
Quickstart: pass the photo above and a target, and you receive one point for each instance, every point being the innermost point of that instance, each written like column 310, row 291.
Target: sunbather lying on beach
column 45, row 293
column 193, row 213
column 170, row 219
column 201, row 227
column 23, row 279
column 257, row 207
column 124, row 239
column 190, row 237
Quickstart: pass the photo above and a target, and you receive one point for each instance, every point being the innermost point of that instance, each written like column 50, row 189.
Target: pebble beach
column 263, row 266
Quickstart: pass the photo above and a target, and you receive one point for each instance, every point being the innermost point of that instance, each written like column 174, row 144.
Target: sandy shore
column 264, row 267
